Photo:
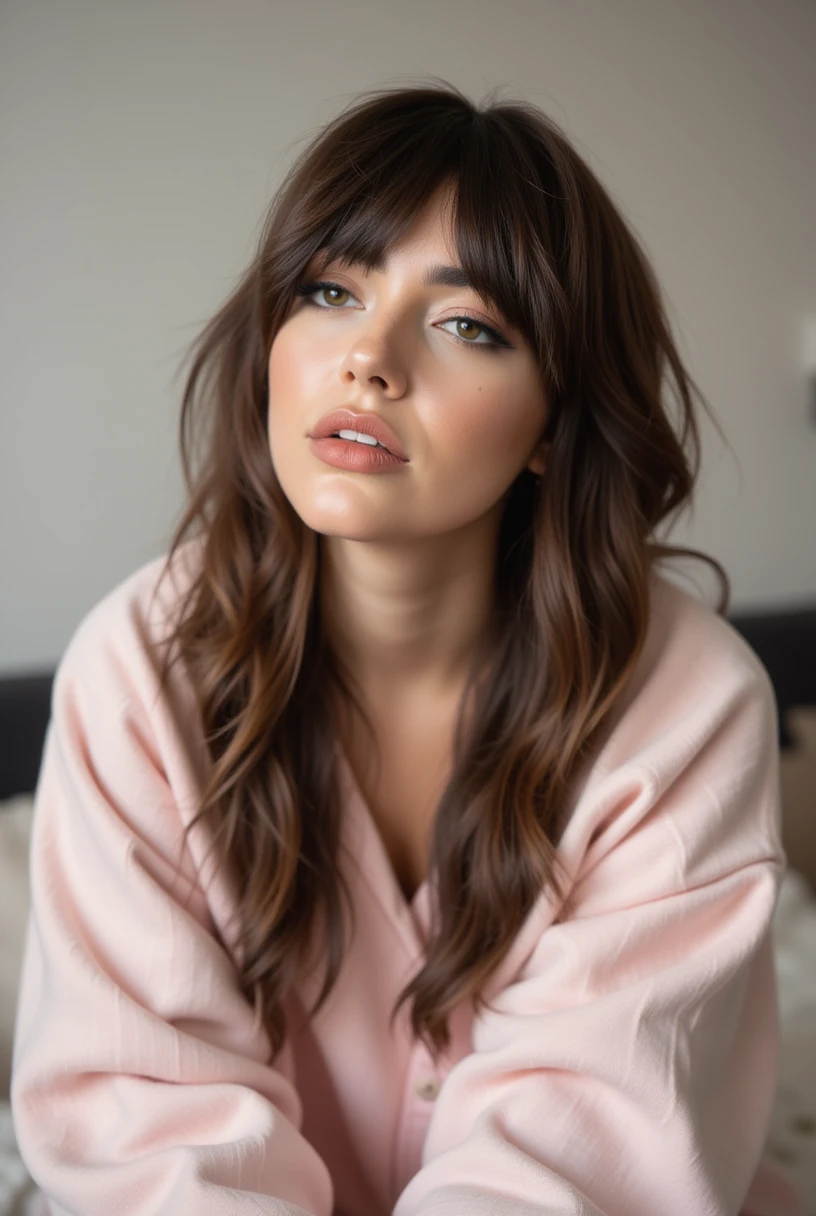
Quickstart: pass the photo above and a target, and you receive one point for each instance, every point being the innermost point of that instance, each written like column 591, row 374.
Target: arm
column 630, row 1069
column 141, row 1081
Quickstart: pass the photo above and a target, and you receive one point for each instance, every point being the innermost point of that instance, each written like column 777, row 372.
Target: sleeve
column 629, row 1068
column 141, row 1082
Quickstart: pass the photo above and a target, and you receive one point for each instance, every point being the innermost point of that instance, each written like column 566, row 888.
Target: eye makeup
column 307, row 290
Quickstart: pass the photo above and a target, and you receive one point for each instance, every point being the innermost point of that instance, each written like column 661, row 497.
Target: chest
column 403, row 793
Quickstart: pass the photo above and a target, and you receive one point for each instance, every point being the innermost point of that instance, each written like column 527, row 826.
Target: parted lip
column 366, row 424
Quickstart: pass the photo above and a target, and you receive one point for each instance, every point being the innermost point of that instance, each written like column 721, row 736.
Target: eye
column 494, row 338
column 311, row 289
column 495, row 341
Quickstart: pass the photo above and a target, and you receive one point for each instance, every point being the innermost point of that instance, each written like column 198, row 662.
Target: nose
column 373, row 362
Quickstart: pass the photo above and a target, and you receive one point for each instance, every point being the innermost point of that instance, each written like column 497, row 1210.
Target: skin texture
column 407, row 556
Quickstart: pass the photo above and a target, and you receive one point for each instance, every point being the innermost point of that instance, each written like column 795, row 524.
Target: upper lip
column 365, row 424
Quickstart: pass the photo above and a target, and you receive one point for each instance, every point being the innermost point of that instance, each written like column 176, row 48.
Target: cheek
column 296, row 369
column 498, row 420
column 284, row 369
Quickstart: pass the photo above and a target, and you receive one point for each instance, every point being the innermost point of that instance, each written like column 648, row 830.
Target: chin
column 330, row 518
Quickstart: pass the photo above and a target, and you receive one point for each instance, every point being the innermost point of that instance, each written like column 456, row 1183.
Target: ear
column 538, row 463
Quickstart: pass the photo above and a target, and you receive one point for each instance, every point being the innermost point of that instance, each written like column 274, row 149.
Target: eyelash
column 497, row 341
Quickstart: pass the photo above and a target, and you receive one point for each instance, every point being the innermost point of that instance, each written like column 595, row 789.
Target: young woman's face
column 469, row 414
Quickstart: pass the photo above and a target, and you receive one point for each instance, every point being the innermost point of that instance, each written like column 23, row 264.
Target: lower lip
column 358, row 457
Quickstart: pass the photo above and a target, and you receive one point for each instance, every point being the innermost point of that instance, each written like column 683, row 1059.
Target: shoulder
column 698, row 711
column 681, row 787
column 694, row 671
column 117, row 648
column 684, row 629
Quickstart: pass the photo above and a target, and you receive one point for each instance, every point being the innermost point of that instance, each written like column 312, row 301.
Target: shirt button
column 428, row 1088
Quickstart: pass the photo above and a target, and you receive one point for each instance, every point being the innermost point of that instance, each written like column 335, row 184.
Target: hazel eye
column 308, row 290
column 493, row 339
column 467, row 323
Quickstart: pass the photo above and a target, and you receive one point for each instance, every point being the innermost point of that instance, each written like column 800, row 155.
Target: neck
column 408, row 617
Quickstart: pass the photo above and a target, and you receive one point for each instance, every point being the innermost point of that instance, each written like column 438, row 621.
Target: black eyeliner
column 308, row 289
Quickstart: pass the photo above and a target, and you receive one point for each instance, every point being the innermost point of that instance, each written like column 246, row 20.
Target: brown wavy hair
column 539, row 236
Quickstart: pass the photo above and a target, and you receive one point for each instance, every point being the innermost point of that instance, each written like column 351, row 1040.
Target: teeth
column 369, row 439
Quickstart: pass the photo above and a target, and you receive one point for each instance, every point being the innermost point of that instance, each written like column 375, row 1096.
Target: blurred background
column 141, row 144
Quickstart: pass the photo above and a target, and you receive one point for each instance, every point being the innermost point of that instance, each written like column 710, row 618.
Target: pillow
column 15, row 830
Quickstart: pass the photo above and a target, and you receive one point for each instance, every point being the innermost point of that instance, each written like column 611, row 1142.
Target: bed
column 784, row 639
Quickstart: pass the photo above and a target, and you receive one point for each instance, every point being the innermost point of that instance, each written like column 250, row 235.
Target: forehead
column 432, row 228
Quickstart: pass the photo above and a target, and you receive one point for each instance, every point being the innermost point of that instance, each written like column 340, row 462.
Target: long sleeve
column 141, row 1082
column 630, row 1069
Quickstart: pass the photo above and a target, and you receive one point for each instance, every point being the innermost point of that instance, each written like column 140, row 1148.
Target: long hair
column 539, row 236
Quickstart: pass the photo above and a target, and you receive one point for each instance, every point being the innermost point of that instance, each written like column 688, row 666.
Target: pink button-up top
column 628, row 1067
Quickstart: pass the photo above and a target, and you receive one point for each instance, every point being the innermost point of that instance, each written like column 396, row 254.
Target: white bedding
column 792, row 1138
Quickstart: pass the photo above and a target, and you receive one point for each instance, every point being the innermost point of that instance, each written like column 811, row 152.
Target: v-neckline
column 411, row 919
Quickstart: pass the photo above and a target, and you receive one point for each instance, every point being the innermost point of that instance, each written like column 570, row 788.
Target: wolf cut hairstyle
column 540, row 238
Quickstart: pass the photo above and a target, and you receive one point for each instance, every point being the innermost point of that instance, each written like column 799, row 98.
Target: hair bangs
column 379, row 187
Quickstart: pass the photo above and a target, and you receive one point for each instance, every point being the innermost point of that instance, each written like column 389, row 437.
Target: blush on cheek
column 296, row 374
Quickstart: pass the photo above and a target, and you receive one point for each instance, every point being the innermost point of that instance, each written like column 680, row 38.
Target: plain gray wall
column 141, row 144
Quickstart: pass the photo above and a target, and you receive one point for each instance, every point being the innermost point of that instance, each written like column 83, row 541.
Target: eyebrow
column 445, row 276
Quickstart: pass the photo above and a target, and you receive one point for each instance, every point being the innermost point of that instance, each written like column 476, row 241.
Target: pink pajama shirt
column 627, row 1068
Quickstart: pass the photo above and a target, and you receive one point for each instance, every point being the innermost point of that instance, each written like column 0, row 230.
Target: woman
column 405, row 842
